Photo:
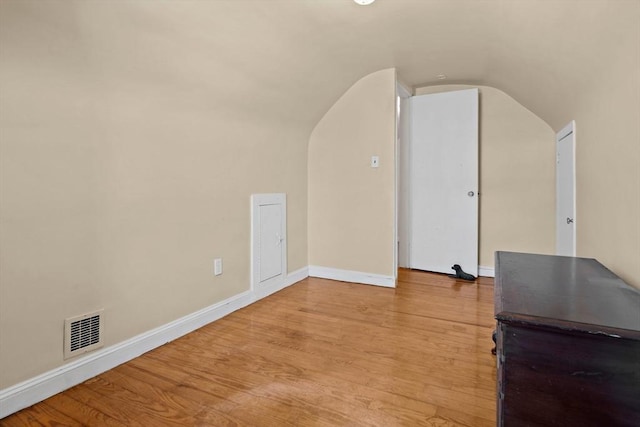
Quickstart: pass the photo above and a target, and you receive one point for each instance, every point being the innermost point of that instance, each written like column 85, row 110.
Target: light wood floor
column 319, row 353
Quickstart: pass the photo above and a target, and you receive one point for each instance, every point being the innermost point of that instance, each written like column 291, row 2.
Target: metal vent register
column 82, row 334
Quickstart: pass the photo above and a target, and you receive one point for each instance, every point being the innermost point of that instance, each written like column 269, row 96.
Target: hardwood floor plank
column 84, row 414
column 413, row 335
column 126, row 407
column 413, row 360
column 304, row 384
column 203, row 406
column 266, row 385
column 41, row 414
column 339, row 387
column 318, row 353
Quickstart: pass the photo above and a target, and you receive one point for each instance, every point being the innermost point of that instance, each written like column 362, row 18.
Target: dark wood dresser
column 568, row 343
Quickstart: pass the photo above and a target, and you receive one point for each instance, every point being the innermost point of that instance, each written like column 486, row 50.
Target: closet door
column 566, row 191
column 444, row 181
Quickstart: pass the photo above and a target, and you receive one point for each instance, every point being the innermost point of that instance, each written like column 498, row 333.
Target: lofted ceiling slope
column 289, row 60
column 294, row 58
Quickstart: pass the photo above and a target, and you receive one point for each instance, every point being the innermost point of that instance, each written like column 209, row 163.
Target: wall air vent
column 82, row 334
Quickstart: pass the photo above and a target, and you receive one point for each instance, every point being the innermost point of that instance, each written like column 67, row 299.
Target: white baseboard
column 352, row 276
column 486, row 271
column 34, row 390
column 293, row 277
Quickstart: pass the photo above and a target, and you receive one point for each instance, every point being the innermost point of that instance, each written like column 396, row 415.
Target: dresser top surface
column 554, row 290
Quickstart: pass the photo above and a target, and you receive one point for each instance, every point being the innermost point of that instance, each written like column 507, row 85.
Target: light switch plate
column 217, row 266
column 375, row 161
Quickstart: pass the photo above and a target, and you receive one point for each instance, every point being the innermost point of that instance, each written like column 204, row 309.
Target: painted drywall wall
column 351, row 204
column 124, row 173
column 584, row 65
column 517, row 176
column 608, row 164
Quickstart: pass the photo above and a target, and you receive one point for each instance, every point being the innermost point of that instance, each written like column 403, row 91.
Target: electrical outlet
column 217, row 266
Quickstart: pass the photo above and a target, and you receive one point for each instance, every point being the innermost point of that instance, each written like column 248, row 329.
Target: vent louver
column 83, row 334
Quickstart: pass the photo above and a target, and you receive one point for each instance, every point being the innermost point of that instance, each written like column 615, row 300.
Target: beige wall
column 608, row 163
column 590, row 74
column 517, row 176
column 351, row 205
column 123, row 175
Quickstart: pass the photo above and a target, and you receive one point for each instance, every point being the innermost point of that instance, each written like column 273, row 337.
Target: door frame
column 258, row 200
column 401, row 147
column 569, row 131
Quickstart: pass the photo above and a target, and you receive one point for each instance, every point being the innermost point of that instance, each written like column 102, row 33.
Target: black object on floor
column 494, row 337
column 460, row 274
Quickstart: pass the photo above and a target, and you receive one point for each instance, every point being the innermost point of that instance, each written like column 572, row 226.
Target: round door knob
column 471, row 194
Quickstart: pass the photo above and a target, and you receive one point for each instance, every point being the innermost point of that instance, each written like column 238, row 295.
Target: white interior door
column 444, row 181
column 268, row 230
column 565, row 191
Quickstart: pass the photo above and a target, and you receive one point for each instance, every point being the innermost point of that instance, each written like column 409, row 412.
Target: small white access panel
column 268, row 239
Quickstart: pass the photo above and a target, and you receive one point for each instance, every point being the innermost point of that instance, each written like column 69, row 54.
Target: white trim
column 486, row 271
column 402, row 89
column 352, row 276
column 402, row 92
column 294, row 277
column 565, row 131
column 36, row 389
column 402, row 147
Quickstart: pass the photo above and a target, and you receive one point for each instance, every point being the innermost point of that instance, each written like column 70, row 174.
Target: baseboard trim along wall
column 37, row 389
column 352, row 276
column 486, row 271
column 264, row 291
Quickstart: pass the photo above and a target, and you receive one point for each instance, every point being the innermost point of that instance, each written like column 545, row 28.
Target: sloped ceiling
column 291, row 59
column 294, row 58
